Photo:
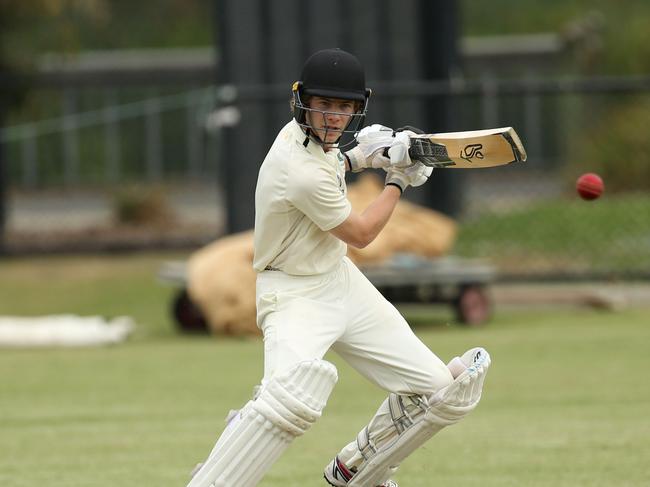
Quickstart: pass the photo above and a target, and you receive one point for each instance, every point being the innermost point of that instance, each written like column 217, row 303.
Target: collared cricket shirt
column 300, row 196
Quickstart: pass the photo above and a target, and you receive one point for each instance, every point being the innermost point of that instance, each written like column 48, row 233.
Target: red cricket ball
column 590, row 186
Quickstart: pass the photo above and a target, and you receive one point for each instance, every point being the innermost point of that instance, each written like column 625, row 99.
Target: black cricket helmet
column 331, row 73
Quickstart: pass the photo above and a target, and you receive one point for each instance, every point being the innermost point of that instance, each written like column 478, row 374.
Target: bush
column 142, row 205
column 617, row 147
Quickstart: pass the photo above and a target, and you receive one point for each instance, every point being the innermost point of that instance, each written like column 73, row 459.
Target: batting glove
column 372, row 141
column 403, row 177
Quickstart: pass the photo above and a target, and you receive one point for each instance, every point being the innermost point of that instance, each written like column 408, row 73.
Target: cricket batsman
column 312, row 298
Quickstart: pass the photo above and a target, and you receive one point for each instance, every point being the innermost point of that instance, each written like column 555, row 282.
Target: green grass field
column 563, row 235
column 565, row 403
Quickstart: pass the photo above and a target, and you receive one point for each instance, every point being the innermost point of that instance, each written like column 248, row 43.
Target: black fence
column 525, row 218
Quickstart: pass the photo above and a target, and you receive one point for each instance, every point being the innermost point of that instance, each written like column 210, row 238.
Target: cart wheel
column 187, row 315
column 473, row 306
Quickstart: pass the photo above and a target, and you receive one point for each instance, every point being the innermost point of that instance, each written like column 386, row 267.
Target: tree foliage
column 31, row 27
column 616, row 146
column 625, row 36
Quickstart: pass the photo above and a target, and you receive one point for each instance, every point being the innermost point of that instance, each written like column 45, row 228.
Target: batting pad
column 285, row 408
column 415, row 419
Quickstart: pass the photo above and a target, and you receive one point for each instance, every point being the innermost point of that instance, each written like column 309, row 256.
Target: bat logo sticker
column 472, row 151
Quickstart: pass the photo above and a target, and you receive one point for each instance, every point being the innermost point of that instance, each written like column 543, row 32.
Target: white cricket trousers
column 302, row 317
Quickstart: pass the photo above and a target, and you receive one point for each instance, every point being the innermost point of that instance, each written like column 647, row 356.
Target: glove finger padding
column 398, row 152
column 421, row 174
column 374, row 137
column 415, row 175
column 380, row 147
column 371, row 142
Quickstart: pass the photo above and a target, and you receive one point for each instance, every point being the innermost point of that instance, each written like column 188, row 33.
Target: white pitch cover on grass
column 63, row 331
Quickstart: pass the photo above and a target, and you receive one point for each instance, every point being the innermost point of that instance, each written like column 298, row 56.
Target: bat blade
column 471, row 149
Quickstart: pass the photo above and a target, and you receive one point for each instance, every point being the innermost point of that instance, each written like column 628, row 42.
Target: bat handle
column 413, row 159
column 401, row 129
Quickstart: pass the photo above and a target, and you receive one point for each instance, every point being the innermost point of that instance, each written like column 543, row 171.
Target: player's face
column 334, row 116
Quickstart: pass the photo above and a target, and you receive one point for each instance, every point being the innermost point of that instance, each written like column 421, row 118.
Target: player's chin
column 332, row 136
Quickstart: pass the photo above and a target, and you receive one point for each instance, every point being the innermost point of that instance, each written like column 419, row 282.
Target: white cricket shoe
column 338, row 475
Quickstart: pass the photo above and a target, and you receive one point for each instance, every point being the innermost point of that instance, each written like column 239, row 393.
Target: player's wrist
column 348, row 165
column 397, row 178
column 395, row 185
column 357, row 159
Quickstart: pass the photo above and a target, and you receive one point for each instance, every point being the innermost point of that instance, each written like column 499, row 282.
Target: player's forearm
column 375, row 217
column 359, row 230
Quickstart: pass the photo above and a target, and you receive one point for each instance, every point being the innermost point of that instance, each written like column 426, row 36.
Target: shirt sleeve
column 320, row 194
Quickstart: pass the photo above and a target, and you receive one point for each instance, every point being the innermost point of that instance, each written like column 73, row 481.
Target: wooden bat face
column 471, row 149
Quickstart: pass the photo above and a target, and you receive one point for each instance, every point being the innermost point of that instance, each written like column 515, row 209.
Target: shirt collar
column 312, row 147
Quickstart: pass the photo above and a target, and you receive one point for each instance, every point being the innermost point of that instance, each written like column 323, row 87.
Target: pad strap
column 366, row 448
column 414, row 420
column 286, row 407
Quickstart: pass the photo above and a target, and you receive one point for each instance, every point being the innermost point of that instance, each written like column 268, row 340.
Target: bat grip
column 401, row 129
column 413, row 159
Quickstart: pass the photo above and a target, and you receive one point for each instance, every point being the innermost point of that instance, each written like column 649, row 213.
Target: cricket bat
column 471, row 149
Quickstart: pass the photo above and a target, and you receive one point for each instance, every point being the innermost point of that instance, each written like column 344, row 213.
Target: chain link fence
column 80, row 161
column 109, row 168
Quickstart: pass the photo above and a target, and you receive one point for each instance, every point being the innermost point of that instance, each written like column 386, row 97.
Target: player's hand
column 414, row 175
column 371, row 149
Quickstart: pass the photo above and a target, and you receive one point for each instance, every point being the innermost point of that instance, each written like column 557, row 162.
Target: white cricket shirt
column 300, row 195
